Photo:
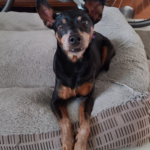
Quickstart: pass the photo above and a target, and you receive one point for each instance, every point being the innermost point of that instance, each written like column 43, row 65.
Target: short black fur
column 70, row 74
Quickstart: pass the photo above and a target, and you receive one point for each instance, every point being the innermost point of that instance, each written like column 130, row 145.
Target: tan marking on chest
column 84, row 89
column 66, row 92
column 103, row 55
column 74, row 59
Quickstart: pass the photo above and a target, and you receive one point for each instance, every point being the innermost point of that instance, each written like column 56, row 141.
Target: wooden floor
column 141, row 7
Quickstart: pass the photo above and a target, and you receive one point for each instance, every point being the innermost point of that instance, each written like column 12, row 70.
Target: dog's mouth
column 76, row 50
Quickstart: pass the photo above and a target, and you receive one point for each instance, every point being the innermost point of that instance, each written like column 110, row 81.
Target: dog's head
column 74, row 28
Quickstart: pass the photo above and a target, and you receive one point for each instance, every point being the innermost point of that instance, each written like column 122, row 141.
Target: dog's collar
column 93, row 36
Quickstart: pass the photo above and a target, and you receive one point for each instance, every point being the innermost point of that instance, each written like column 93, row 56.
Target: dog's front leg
column 60, row 110
column 84, row 130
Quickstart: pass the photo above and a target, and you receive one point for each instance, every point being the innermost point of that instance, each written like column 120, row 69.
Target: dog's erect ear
column 46, row 12
column 95, row 8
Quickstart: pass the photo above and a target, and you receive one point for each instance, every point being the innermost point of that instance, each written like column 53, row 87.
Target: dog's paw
column 68, row 142
column 68, row 145
column 82, row 136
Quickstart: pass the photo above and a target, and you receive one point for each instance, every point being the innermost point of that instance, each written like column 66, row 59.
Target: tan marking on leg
column 103, row 55
column 84, row 129
column 66, row 92
column 64, row 21
column 67, row 130
column 81, row 111
column 79, row 18
column 85, row 89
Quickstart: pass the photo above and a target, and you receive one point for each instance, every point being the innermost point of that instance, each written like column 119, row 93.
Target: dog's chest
column 83, row 90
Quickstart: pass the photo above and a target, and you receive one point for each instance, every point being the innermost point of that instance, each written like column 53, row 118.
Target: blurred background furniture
column 8, row 5
column 29, row 5
column 141, row 7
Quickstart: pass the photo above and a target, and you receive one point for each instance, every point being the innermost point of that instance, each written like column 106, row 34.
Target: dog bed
column 145, row 37
column 120, row 117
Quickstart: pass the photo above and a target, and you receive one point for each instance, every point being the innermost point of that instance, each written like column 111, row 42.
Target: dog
column 80, row 56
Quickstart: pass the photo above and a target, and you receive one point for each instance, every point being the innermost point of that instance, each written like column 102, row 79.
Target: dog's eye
column 84, row 23
column 60, row 27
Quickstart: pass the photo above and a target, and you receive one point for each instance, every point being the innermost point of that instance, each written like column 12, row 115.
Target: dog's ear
column 94, row 8
column 46, row 13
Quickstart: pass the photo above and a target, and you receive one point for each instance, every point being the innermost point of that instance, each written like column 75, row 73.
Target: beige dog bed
column 120, row 117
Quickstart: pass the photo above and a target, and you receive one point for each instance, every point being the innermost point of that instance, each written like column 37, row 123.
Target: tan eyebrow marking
column 64, row 21
column 79, row 18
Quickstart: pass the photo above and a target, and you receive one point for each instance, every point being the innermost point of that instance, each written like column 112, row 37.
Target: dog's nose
column 75, row 40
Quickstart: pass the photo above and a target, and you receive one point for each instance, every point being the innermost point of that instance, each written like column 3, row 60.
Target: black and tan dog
column 80, row 56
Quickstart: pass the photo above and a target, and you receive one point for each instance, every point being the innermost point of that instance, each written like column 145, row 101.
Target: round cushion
column 27, row 82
